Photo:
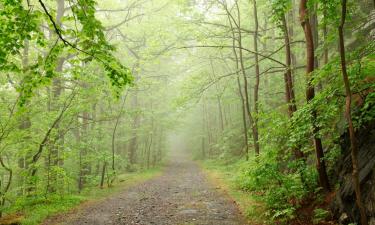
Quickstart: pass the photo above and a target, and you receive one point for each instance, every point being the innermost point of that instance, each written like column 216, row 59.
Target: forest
column 203, row 112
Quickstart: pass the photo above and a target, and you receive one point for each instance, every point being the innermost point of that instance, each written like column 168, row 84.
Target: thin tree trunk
column 243, row 104
column 160, row 146
column 149, row 151
column 290, row 97
column 203, row 128
column 54, row 148
column 310, row 94
column 325, row 35
column 291, row 19
column 25, row 123
column 114, row 131
column 133, row 145
column 6, row 188
column 289, row 88
column 218, row 96
column 247, row 100
column 209, row 134
column 348, row 114
column 84, row 165
column 257, row 80
column 103, row 175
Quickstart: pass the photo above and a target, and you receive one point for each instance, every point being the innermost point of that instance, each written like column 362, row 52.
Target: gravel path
column 181, row 196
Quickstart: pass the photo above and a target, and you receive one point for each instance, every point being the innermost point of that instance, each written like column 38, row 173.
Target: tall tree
column 310, row 94
column 348, row 115
column 257, row 79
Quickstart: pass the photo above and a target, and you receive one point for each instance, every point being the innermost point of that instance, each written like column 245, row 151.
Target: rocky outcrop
column 344, row 206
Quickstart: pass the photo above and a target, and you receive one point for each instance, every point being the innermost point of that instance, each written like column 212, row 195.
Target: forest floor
column 181, row 196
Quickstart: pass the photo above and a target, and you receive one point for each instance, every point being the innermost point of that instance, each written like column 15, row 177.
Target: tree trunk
column 257, row 80
column 54, row 158
column 310, row 94
column 4, row 190
column 288, row 79
column 114, row 132
column 134, row 140
column 25, row 124
column 243, row 103
column 247, row 100
column 149, row 151
column 325, row 35
column 291, row 19
column 84, row 165
column 103, row 175
column 353, row 140
column 208, row 130
column 203, row 128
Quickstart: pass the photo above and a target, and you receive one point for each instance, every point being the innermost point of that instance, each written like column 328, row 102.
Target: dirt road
column 181, row 196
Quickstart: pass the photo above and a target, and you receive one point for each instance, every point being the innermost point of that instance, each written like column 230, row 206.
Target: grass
column 223, row 176
column 33, row 211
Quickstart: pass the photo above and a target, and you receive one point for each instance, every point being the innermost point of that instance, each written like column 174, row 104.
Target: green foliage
column 39, row 207
column 279, row 190
column 17, row 24
column 92, row 37
column 320, row 215
column 279, row 10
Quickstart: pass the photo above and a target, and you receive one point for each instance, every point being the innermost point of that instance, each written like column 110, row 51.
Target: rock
column 344, row 202
column 343, row 218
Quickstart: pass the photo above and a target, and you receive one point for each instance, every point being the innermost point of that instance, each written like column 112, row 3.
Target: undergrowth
column 33, row 210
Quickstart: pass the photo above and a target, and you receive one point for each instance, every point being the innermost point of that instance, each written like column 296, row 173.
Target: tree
column 310, row 93
column 348, row 115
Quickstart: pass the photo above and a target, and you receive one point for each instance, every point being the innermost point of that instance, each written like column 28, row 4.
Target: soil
column 181, row 196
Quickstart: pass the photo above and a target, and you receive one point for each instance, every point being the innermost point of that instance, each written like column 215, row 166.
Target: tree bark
column 103, row 175
column 288, row 79
column 310, row 94
column 7, row 186
column 348, row 114
column 257, row 80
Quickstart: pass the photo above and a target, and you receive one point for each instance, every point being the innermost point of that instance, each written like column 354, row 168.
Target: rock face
column 344, row 204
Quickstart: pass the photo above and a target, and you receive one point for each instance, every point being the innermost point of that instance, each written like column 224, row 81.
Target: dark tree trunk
column 103, row 175
column 288, row 79
column 348, row 114
column 310, row 94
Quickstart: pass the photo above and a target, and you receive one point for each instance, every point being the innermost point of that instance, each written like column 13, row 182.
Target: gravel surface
column 181, row 196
